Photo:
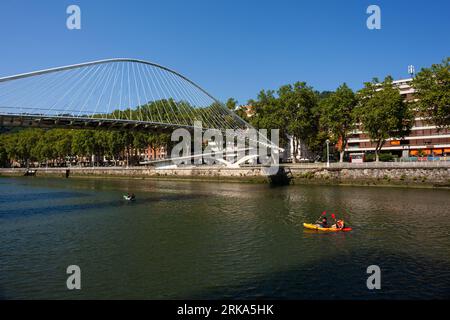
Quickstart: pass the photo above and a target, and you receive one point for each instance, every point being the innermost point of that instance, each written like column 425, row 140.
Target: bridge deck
column 41, row 121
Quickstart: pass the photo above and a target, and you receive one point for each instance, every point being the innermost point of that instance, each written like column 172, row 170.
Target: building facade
column 424, row 140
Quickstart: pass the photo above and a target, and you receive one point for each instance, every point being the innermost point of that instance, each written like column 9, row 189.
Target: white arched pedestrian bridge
column 116, row 93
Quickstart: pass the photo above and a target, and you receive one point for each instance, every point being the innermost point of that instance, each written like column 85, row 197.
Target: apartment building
column 424, row 140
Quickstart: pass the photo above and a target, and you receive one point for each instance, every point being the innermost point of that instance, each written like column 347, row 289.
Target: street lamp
column 328, row 153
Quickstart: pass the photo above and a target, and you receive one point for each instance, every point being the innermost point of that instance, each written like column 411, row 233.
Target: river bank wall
column 413, row 175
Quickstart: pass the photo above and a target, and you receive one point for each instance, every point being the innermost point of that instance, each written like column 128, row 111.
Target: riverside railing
column 333, row 165
column 371, row 165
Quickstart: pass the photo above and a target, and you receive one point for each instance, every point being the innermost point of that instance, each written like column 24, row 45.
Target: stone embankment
column 415, row 175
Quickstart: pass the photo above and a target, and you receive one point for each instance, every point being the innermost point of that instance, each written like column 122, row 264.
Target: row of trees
column 377, row 109
column 57, row 145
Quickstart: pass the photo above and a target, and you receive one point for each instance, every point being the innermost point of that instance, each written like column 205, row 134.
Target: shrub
column 385, row 157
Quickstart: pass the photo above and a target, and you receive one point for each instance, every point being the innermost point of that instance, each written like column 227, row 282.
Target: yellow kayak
column 318, row 228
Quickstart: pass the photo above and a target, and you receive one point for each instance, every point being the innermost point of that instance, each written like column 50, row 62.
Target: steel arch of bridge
column 153, row 98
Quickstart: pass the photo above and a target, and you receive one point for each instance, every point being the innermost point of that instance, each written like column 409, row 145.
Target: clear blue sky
column 232, row 48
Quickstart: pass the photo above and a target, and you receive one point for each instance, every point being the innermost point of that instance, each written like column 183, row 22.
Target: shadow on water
column 40, row 196
column 402, row 277
column 95, row 206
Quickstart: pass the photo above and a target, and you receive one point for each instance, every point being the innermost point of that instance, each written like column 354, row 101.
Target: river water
column 203, row 240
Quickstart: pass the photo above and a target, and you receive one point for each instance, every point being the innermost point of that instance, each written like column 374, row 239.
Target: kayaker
column 132, row 197
column 339, row 224
column 324, row 223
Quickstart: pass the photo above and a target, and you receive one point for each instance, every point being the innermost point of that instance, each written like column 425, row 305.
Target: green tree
column 26, row 144
column 127, row 139
column 9, row 143
column 433, row 92
column 100, row 139
column 4, row 161
column 83, row 143
column 63, row 143
column 293, row 109
column 325, row 94
column 337, row 116
column 140, row 141
column 300, row 105
column 269, row 114
column 382, row 112
column 43, row 149
column 115, row 144
column 231, row 103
